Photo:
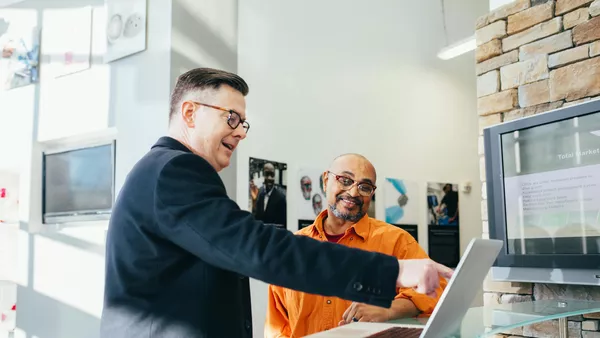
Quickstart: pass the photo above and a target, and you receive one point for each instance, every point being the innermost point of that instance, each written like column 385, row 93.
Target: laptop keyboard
column 394, row 332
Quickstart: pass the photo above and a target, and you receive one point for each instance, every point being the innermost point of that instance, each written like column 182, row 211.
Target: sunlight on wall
column 17, row 112
column 79, row 102
column 53, row 261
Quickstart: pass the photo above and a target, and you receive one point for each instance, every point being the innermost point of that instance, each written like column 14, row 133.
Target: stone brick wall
column 534, row 56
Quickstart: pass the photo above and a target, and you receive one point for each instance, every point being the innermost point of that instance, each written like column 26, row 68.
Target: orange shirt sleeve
column 410, row 249
column 277, row 323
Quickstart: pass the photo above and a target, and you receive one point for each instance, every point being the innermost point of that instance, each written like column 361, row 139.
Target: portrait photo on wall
column 267, row 191
column 72, row 55
column 312, row 193
column 19, row 49
column 401, row 201
column 442, row 204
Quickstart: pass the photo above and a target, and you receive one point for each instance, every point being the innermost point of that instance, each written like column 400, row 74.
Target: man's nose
column 240, row 132
column 354, row 191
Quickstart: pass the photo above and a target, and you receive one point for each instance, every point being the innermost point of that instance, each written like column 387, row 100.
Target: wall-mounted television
column 543, row 189
column 78, row 184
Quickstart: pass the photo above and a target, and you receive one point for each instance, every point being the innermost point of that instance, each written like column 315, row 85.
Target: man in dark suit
column 270, row 205
column 179, row 252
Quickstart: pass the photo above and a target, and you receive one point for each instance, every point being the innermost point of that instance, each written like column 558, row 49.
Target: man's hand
column 359, row 312
column 253, row 190
column 422, row 274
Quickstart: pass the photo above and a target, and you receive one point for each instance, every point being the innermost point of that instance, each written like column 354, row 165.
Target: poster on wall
column 312, row 199
column 401, row 201
column 125, row 28
column 19, row 49
column 442, row 204
column 267, row 191
column 67, row 55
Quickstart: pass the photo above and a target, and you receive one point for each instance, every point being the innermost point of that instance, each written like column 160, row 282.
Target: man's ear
column 188, row 113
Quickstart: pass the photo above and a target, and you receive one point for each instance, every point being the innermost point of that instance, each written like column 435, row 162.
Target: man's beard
column 347, row 216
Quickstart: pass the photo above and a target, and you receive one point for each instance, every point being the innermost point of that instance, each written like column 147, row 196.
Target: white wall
column 61, row 273
column 329, row 77
column 498, row 3
column 204, row 34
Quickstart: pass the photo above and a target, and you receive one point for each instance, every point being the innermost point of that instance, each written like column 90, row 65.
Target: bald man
column 349, row 184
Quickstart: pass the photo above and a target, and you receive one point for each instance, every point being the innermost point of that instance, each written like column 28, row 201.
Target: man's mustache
column 356, row 200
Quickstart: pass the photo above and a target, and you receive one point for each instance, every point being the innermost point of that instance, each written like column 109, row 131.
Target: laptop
column 453, row 304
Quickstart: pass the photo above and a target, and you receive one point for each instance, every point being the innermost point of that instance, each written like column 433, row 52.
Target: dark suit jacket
column 179, row 252
column 276, row 212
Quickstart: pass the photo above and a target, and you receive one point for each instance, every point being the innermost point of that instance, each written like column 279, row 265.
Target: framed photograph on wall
column 267, row 191
column 19, row 49
column 401, row 200
column 312, row 199
column 68, row 46
column 442, row 204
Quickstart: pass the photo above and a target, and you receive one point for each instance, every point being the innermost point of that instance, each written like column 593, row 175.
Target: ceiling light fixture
column 458, row 48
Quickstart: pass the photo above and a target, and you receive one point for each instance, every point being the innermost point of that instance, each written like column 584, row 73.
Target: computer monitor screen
column 79, row 181
column 551, row 179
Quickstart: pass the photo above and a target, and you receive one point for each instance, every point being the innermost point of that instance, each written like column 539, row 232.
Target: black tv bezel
column 89, row 215
column 495, row 191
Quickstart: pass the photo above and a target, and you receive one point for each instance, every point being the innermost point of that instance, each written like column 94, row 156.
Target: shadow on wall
column 50, row 315
column 204, row 37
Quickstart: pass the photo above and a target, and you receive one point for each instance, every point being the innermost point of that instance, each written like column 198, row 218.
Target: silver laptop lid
column 462, row 288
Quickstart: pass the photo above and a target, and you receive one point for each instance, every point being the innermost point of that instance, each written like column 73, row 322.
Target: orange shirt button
column 328, row 301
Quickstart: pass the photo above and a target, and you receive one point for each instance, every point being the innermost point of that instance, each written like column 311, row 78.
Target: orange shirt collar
column 360, row 228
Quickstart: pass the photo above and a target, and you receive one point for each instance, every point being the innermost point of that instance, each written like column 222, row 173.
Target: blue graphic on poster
column 401, row 201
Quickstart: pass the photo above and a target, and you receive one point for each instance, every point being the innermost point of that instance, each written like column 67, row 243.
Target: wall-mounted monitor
column 543, row 187
column 78, row 184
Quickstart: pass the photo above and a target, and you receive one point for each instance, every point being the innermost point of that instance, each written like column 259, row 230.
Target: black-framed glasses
column 233, row 120
column 365, row 189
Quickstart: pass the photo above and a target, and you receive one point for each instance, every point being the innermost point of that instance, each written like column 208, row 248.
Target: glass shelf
column 487, row 321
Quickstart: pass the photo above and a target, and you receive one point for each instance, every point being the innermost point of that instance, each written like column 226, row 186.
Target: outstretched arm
column 195, row 213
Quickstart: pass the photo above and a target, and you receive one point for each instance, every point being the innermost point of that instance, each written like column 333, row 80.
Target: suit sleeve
column 277, row 322
column 193, row 211
column 426, row 304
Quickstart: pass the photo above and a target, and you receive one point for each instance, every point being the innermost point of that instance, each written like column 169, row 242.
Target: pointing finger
column 444, row 271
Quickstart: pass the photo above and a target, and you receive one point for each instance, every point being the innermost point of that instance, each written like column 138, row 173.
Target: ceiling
column 8, row 2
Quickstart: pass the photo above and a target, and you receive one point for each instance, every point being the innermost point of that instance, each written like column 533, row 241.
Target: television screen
column 551, row 179
column 79, row 181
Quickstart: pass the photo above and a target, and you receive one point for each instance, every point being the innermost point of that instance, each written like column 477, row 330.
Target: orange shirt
column 296, row 314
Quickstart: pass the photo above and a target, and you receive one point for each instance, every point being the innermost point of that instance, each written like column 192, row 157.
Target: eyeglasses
column 233, row 120
column 346, row 183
